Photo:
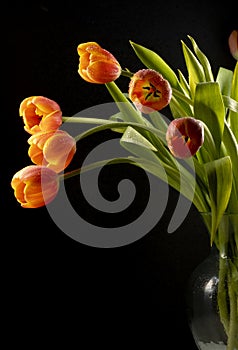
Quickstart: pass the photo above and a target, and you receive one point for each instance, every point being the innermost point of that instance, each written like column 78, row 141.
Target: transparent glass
column 212, row 293
column 207, row 329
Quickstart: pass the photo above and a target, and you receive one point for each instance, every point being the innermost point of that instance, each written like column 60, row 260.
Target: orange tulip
column 149, row 91
column 40, row 114
column 97, row 65
column 53, row 149
column 185, row 136
column 35, row 186
column 233, row 43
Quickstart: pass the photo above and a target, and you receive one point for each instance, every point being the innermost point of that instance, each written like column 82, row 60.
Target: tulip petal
column 185, row 136
column 35, row 186
column 97, row 65
column 40, row 113
column 149, row 91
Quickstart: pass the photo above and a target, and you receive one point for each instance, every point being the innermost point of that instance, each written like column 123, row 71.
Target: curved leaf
column 195, row 70
column 209, row 107
column 203, row 60
column 219, row 175
column 153, row 61
column 224, row 78
column 233, row 115
column 126, row 108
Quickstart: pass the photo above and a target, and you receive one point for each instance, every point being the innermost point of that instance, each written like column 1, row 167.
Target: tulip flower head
column 184, row 136
column 40, row 114
column 97, row 65
column 53, row 149
column 35, row 186
column 233, row 43
column 149, row 91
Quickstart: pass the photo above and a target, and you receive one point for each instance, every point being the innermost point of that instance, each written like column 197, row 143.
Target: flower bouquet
column 196, row 152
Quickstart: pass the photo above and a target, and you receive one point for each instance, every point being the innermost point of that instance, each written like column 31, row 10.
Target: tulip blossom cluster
column 202, row 137
column 148, row 90
column 51, row 150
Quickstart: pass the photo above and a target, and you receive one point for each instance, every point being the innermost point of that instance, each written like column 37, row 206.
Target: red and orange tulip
column 185, row 136
column 35, row 186
column 233, row 43
column 149, row 91
column 97, row 65
column 53, row 149
column 40, row 114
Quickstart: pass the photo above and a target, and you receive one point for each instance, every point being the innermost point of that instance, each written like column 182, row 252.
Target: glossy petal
column 233, row 43
column 53, row 149
column 185, row 136
column 149, row 91
column 35, row 186
column 40, row 114
column 97, row 65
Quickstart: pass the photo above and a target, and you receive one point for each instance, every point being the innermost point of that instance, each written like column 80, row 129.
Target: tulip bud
column 149, row 91
column 40, row 114
column 97, row 65
column 185, row 136
column 35, row 186
column 233, row 43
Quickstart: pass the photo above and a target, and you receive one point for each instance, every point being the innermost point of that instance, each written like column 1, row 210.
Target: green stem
column 222, row 295
column 115, row 125
column 127, row 73
column 228, row 300
column 123, row 104
column 182, row 97
column 86, row 120
column 92, row 166
column 209, row 142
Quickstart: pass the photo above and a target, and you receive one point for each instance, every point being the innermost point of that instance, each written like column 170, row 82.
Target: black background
column 106, row 297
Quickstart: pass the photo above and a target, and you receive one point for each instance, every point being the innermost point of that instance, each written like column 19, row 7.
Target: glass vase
column 212, row 292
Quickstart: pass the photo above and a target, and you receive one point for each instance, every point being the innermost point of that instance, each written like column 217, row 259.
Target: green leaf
column 153, row 61
column 219, row 175
column 224, row 78
column 233, row 115
column 182, row 97
column 166, row 168
column 129, row 113
column 132, row 136
column 177, row 108
column 203, row 60
column 231, row 104
column 184, row 83
column 107, row 124
column 234, row 87
column 231, row 149
column 195, row 70
column 178, row 177
column 158, row 121
column 209, row 107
